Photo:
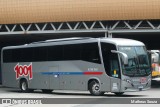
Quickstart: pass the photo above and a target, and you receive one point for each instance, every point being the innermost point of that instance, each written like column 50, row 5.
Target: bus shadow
column 14, row 91
column 78, row 94
column 124, row 95
column 106, row 94
column 56, row 93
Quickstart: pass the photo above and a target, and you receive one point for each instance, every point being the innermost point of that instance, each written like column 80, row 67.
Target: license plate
column 140, row 87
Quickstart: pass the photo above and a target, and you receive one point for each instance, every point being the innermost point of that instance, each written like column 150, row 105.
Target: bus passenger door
column 111, row 64
column 115, row 74
column 112, row 68
column 54, row 77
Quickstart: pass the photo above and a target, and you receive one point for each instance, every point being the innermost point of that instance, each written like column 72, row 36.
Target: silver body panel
column 76, row 81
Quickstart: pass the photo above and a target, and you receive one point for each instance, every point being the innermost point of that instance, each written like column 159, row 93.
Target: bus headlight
column 128, row 81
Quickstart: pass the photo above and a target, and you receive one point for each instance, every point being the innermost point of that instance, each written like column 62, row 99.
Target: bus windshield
column 138, row 63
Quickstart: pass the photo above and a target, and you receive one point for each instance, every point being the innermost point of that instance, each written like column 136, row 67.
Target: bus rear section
column 96, row 64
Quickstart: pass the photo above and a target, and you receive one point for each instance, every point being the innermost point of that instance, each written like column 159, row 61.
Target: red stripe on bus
column 92, row 73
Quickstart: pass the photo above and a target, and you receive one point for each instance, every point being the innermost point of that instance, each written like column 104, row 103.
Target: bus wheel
column 94, row 88
column 46, row 91
column 119, row 93
column 24, row 86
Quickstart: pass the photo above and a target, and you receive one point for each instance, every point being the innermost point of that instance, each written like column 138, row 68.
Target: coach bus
column 155, row 65
column 96, row 64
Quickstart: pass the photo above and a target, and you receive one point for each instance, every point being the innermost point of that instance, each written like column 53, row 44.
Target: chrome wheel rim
column 24, row 86
column 96, row 88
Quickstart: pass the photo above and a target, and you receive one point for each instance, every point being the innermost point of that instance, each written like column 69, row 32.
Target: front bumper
column 134, row 87
column 136, row 90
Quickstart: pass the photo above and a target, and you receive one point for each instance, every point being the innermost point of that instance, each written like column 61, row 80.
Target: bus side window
column 90, row 53
column 72, row 52
column 55, row 53
column 7, row 56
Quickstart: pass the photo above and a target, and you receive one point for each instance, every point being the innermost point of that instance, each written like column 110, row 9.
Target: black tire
column 46, row 91
column 94, row 88
column 24, row 86
column 119, row 93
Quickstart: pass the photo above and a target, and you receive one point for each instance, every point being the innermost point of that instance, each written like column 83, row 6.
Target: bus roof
column 123, row 42
column 76, row 40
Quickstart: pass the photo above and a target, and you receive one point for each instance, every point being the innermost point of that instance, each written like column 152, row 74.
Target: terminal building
column 25, row 21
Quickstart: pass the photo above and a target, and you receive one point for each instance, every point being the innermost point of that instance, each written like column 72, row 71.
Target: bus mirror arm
column 123, row 55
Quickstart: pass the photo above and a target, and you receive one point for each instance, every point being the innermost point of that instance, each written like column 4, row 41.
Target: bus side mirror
column 154, row 56
column 123, row 55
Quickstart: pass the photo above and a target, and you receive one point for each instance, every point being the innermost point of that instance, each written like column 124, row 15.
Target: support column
column 106, row 34
column 109, row 35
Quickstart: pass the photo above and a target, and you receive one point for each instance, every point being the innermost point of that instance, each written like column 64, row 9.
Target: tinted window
column 16, row 55
column 72, row 52
column 90, row 52
column 55, row 53
column 87, row 52
column 40, row 54
column 26, row 55
column 7, row 55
